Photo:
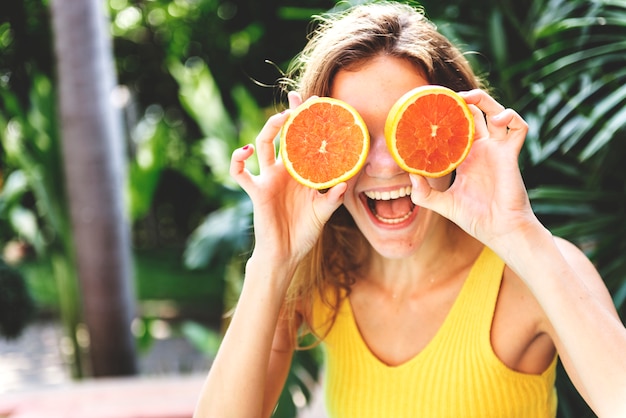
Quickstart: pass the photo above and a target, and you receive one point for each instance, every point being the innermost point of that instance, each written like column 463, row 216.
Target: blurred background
column 191, row 80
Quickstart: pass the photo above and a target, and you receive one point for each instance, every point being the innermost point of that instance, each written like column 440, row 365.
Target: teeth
column 388, row 195
column 395, row 220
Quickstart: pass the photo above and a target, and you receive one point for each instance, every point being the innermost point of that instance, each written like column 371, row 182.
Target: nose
column 379, row 162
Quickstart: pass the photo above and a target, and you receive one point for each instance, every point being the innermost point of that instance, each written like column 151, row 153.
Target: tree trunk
column 94, row 173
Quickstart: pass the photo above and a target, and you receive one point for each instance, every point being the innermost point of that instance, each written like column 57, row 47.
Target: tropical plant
column 31, row 200
column 16, row 303
column 577, row 86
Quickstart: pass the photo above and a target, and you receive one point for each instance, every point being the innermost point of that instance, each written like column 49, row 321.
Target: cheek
column 351, row 198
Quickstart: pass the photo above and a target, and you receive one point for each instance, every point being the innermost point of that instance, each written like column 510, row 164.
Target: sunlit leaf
column 204, row 339
column 202, row 99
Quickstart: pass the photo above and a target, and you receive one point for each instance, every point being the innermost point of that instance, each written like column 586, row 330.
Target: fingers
column 294, row 98
column 265, row 148
column 328, row 202
column 420, row 190
column 510, row 120
column 498, row 122
column 483, row 101
column 480, row 124
column 238, row 165
column 266, row 152
column 490, row 107
column 424, row 195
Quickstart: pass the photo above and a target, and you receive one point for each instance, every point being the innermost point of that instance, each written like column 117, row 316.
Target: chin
column 396, row 247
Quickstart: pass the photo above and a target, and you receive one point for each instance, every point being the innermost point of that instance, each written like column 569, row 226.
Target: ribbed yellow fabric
column 456, row 375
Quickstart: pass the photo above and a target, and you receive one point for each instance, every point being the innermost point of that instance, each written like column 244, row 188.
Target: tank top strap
column 475, row 306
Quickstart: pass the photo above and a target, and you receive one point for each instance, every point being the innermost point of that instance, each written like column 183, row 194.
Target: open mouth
column 390, row 207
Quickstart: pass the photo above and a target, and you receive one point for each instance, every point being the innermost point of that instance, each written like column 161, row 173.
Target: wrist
column 518, row 246
column 534, row 255
column 269, row 270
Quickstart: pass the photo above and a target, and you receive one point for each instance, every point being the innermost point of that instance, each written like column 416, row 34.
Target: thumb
column 329, row 201
column 424, row 195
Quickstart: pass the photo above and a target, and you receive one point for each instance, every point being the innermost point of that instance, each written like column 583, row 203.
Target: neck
column 430, row 265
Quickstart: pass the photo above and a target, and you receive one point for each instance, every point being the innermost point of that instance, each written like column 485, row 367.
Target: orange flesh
column 320, row 142
column 432, row 134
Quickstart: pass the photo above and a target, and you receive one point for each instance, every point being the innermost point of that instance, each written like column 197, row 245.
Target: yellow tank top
column 456, row 375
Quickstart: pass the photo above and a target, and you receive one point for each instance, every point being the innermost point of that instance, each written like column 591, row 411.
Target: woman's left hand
column 488, row 198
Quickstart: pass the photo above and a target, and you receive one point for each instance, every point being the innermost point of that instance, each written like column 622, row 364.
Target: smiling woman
column 431, row 297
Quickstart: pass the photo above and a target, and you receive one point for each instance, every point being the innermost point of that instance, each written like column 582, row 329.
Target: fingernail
column 246, row 147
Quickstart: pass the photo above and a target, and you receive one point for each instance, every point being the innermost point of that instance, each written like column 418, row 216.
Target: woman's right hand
column 288, row 217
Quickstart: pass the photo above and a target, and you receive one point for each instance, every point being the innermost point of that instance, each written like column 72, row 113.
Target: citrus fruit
column 429, row 131
column 324, row 142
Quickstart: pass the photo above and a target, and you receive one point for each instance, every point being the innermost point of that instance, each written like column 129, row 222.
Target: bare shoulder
column 522, row 335
column 580, row 264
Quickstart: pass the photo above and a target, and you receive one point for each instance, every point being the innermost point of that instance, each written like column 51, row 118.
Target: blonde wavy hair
column 344, row 41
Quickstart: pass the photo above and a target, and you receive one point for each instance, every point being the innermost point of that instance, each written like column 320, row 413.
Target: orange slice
column 324, row 142
column 429, row 131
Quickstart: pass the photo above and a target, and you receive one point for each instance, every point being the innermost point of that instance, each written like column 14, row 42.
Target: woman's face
column 378, row 197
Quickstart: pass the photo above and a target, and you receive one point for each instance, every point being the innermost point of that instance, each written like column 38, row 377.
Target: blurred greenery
column 16, row 302
column 196, row 81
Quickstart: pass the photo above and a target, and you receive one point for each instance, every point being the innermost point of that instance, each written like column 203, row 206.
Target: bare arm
column 249, row 370
column 238, row 378
column 283, row 348
column 581, row 317
column 489, row 201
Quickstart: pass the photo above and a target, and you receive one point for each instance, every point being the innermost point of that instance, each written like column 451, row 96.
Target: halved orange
column 429, row 131
column 324, row 142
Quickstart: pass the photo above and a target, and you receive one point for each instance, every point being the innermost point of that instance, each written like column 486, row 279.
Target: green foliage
column 202, row 338
column 577, row 91
column 161, row 276
column 577, row 83
column 29, row 139
column 300, row 384
column 16, row 304
column 224, row 230
column 34, row 205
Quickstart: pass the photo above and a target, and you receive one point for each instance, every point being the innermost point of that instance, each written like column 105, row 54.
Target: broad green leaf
column 606, row 134
column 226, row 229
column 202, row 99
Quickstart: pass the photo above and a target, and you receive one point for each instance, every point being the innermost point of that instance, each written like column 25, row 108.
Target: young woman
column 432, row 298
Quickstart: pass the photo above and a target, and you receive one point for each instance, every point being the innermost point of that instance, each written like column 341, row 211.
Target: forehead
column 376, row 84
